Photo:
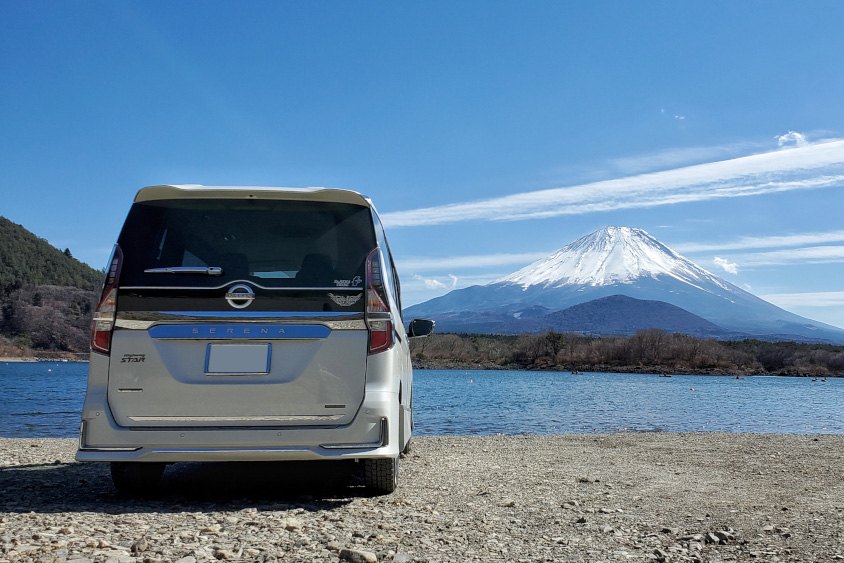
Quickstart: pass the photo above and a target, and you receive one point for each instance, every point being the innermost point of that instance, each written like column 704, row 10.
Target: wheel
column 407, row 447
column 381, row 475
column 135, row 477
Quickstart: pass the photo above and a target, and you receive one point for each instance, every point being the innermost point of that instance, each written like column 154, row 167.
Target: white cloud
column 817, row 299
column 433, row 283
column 675, row 158
column 729, row 267
column 744, row 243
column 809, row 167
column 789, row 257
column 792, row 137
column 430, row 283
column 429, row 263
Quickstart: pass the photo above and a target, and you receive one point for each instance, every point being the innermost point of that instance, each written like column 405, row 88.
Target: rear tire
column 407, row 448
column 135, row 477
column 381, row 476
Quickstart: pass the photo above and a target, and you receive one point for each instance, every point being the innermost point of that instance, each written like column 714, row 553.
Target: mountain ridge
column 630, row 262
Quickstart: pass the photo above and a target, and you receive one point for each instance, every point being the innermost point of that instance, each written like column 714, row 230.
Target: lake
column 43, row 399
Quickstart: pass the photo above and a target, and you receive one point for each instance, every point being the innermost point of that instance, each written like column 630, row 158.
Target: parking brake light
column 377, row 305
column 103, row 323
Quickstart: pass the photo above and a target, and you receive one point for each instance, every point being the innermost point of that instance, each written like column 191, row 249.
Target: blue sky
column 488, row 134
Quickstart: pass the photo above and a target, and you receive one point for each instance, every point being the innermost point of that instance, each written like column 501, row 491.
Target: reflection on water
column 45, row 399
column 515, row 402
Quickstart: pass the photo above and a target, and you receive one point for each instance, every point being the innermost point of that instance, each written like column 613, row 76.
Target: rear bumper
column 372, row 434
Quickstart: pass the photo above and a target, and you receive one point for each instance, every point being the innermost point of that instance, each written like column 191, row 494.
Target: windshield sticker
column 354, row 282
column 345, row 300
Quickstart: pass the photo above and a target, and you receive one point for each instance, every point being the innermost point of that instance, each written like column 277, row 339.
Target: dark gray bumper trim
column 383, row 440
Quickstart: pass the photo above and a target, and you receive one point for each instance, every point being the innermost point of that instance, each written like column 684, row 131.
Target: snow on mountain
column 619, row 261
column 610, row 256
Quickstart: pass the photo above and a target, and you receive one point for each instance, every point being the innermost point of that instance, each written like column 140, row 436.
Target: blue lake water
column 45, row 399
column 516, row 402
column 39, row 399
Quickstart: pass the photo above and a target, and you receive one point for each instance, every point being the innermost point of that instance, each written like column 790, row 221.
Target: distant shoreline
column 469, row 366
column 33, row 359
column 644, row 370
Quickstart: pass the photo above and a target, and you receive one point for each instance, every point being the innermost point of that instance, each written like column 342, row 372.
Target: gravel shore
column 586, row 497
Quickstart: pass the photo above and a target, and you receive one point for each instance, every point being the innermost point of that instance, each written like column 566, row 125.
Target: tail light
column 104, row 315
column 377, row 305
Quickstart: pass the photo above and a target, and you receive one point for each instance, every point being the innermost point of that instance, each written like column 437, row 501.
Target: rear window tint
column 273, row 243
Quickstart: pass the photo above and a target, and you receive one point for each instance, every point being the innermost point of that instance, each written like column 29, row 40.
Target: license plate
column 238, row 359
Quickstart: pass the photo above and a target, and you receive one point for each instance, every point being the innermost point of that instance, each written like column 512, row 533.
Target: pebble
column 455, row 502
column 140, row 546
column 358, row 556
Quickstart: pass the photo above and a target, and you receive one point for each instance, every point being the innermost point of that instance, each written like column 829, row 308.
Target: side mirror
column 420, row 327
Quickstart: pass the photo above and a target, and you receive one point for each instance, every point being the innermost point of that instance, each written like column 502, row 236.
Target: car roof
column 197, row 191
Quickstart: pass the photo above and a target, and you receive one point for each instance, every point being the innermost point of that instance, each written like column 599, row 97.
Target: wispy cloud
column 430, row 283
column 729, row 267
column 440, row 264
column 818, row 299
column 803, row 168
column 675, row 158
column 433, row 283
column 778, row 241
column 788, row 257
column 792, row 138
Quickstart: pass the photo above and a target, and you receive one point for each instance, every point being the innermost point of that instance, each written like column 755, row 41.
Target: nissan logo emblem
column 240, row 296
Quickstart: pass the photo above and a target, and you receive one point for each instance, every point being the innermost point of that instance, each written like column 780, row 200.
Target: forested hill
column 27, row 260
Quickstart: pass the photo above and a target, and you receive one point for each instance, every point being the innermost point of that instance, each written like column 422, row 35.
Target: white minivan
column 248, row 324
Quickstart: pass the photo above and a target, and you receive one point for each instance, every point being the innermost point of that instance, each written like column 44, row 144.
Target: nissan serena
column 248, row 324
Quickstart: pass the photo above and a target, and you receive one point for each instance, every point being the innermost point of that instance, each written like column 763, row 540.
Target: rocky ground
column 615, row 497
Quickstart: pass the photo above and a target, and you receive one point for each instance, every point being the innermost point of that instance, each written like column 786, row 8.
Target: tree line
column 27, row 260
column 46, row 318
column 46, row 295
column 651, row 350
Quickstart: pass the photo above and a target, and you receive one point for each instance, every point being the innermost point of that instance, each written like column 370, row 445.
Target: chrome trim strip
column 248, row 282
column 260, row 314
column 267, row 418
column 109, row 449
column 225, row 451
column 383, row 440
column 131, row 324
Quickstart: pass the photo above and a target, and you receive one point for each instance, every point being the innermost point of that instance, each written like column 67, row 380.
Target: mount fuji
column 651, row 286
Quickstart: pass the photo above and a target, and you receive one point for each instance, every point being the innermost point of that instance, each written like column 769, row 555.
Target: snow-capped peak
column 609, row 256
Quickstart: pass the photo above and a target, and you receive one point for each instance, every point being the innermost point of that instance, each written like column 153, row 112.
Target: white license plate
column 238, row 359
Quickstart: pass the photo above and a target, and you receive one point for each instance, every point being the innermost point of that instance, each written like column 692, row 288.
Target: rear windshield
column 273, row 243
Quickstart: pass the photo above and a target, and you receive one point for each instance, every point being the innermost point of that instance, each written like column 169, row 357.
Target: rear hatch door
column 233, row 314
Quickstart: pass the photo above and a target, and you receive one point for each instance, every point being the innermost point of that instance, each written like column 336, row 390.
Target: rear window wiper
column 205, row 271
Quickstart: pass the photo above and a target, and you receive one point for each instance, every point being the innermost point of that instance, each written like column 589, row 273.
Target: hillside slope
column 27, row 260
column 47, row 296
